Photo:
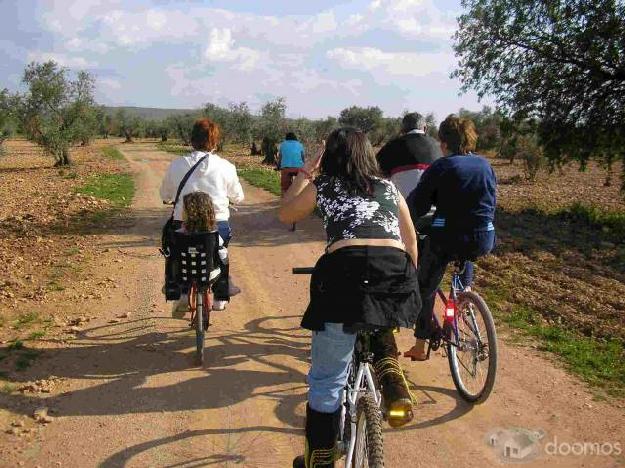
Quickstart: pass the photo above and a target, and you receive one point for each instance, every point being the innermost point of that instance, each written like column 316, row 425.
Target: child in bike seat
column 199, row 216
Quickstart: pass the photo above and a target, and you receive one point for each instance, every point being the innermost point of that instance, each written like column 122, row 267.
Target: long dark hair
column 349, row 155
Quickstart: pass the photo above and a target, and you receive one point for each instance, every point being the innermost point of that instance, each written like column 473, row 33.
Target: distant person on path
column 463, row 187
column 406, row 157
column 366, row 279
column 214, row 176
column 290, row 160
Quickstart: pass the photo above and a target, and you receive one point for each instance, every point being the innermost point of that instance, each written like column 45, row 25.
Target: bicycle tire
column 369, row 419
column 199, row 328
column 481, row 395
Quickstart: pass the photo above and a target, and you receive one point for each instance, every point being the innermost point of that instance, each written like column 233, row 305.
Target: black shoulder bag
column 172, row 288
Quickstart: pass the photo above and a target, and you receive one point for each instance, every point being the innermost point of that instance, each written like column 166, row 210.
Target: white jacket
column 214, row 176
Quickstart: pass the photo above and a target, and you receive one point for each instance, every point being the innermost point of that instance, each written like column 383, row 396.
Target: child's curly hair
column 199, row 212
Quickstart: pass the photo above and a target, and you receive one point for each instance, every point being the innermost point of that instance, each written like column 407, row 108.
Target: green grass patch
column 112, row 153
column 174, row 148
column 117, row 188
column 37, row 335
column 15, row 345
column 594, row 216
column 6, row 386
column 25, row 359
column 598, row 362
column 26, row 319
column 267, row 179
column 72, row 251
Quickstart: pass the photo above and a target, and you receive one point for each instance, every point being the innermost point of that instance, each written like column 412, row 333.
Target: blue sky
column 321, row 55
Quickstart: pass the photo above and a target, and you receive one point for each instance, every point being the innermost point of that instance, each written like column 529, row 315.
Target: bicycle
column 360, row 423
column 196, row 259
column 460, row 332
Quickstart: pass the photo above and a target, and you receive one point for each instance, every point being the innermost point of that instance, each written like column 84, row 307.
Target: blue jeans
column 224, row 231
column 439, row 249
column 331, row 353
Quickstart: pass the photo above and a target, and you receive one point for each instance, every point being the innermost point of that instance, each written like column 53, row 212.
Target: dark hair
column 290, row 136
column 412, row 121
column 458, row 134
column 349, row 155
column 205, row 135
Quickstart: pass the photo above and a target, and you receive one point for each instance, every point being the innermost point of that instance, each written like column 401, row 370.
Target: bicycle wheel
column 199, row 328
column 369, row 450
column 473, row 362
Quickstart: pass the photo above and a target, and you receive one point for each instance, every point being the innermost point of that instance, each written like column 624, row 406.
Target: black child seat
column 196, row 258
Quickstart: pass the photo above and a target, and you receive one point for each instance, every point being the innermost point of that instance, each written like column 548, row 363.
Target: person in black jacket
column 404, row 158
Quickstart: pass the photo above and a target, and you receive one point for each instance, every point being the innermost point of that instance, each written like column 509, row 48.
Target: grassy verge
column 599, row 362
column 117, row 188
column 612, row 221
column 175, row 148
column 112, row 153
column 267, row 179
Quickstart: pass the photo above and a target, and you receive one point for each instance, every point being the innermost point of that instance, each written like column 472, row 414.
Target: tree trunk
column 163, row 137
column 128, row 137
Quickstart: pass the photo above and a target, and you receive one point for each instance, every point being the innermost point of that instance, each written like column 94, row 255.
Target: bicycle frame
column 357, row 384
column 449, row 329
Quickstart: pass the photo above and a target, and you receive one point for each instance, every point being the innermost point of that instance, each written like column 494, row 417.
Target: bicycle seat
column 196, row 257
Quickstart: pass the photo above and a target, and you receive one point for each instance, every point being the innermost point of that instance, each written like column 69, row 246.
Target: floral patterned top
column 356, row 217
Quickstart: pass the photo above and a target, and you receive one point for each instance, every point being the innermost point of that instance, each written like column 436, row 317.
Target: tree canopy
column 560, row 62
column 57, row 111
column 367, row 119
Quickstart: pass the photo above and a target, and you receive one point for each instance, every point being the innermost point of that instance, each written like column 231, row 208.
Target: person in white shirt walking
column 215, row 176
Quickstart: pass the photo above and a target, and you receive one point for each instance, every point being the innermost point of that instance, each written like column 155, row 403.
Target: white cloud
column 63, row 60
column 110, row 83
column 392, row 63
column 221, row 49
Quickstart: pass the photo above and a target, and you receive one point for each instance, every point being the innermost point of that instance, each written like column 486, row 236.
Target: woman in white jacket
column 214, row 176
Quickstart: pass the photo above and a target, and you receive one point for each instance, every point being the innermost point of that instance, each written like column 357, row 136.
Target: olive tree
column 368, row 119
column 56, row 110
column 271, row 125
column 130, row 126
column 559, row 62
column 8, row 116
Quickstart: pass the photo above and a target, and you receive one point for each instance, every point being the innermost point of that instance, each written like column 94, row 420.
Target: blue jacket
column 463, row 189
column 291, row 154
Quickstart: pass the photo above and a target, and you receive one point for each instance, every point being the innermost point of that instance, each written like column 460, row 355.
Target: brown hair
column 205, row 135
column 458, row 134
column 349, row 155
column 199, row 212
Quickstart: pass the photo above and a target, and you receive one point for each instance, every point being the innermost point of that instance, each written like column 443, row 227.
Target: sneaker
column 219, row 305
column 180, row 307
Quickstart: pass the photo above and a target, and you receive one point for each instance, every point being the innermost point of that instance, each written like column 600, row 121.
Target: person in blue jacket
column 462, row 186
column 290, row 160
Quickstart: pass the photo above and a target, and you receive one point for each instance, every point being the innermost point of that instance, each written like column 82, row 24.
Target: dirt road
column 128, row 394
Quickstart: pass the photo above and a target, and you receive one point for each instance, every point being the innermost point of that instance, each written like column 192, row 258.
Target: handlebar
column 303, row 270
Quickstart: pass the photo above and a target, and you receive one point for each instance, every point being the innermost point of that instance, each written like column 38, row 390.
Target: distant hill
column 150, row 113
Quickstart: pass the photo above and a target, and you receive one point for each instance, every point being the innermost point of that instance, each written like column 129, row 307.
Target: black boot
column 322, row 430
column 395, row 392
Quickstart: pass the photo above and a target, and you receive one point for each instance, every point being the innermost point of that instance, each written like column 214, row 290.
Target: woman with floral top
column 367, row 279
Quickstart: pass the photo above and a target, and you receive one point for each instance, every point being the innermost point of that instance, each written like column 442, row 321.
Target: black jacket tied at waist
column 363, row 287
